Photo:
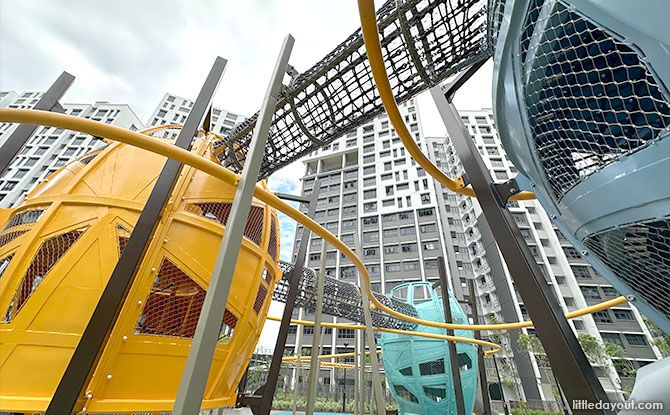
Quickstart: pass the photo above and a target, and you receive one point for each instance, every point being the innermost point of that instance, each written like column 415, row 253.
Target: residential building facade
column 51, row 148
column 173, row 109
column 475, row 255
column 370, row 189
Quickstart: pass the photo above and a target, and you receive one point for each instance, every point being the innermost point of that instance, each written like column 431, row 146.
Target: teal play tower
column 418, row 370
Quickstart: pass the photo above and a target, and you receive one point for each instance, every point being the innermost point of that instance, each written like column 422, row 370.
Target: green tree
column 661, row 339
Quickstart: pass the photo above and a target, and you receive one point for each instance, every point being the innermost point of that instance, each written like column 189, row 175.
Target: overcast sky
column 132, row 52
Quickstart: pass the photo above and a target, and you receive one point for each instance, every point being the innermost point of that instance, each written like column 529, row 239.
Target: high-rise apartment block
column 370, row 189
column 473, row 254
column 173, row 109
column 50, row 148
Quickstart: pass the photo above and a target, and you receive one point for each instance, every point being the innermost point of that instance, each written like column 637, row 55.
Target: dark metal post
column 565, row 354
column 483, row 382
column 500, row 386
column 344, row 385
column 69, row 393
column 453, row 354
column 48, row 102
column 263, row 404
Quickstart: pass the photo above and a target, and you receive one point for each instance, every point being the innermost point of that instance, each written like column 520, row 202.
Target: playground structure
column 336, row 95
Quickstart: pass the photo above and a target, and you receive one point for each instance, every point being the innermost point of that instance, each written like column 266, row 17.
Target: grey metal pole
column 314, row 367
column 500, row 386
column 566, row 356
column 196, row 371
column 357, row 376
column 372, row 345
column 453, row 354
column 483, row 382
column 69, row 395
column 19, row 137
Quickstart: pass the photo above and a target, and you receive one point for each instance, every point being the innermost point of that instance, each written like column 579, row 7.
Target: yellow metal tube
column 168, row 150
column 366, row 9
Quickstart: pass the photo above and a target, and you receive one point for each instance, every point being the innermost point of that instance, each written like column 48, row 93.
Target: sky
column 133, row 52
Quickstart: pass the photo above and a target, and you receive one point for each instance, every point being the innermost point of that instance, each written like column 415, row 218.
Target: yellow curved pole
column 366, row 9
column 495, row 348
column 166, row 149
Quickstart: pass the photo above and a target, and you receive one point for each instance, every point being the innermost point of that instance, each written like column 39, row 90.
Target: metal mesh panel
column 122, row 235
column 48, row 254
column 341, row 299
column 423, row 41
column 25, row 217
column 18, row 224
column 434, row 367
column 436, row 393
column 639, row 254
column 260, row 298
column 404, row 393
column 219, row 212
column 9, row 236
column 589, row 96
column 88, row 157
column 254, row 226
column 272, row 244
column 407, row 371
column 173, row 306
column 4, row 264
column 496, row 10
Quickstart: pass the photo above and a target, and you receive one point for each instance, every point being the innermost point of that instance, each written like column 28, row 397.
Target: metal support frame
column 566, row 356
column 69, row 395
column 372, row 345
column 19, row 137
column 196, row 371
column 314, row 366
column 500, row 386
column 453, row 354
column 481, row 366
column 261, row 402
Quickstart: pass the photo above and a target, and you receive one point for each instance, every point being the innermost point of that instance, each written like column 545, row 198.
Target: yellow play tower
column 58, row 249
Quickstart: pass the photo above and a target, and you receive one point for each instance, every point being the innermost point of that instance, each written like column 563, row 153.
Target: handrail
column 495, row 348
column 136, row 139
column 366, row 9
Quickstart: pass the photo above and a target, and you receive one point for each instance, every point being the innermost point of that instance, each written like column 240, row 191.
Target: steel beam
column 566, row 356
column 70, row 393
column 372, row 345
column 263, row 405
column 314, row 366
column 453, row 354
column 483, row 382
column 48, row 102
column 196, row 371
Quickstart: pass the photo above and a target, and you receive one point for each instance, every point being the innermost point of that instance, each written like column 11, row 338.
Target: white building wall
column 51, row 148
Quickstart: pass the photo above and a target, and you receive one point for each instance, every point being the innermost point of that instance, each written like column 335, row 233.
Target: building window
column 425, row 200
column 371, row 236
column 410, row 265
column 571, row 252
column 425, row 212
column 370, row 207
column 370, row 220
column 612, row 338
column 635, row 339
column 345, row 333
column 602, row 316
column 370, row 194
column 308, row 330
column 411, row 247
column 392, row 267
column 623, row 314
column 590, row 292
column 391, row 249
column 581, row 272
